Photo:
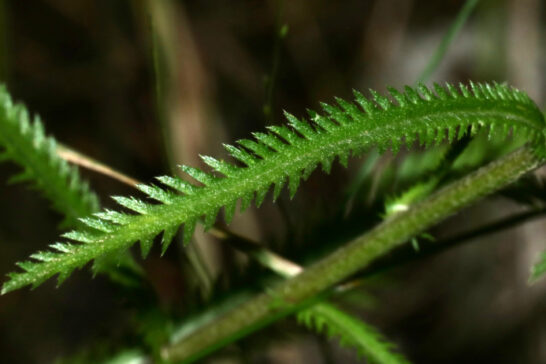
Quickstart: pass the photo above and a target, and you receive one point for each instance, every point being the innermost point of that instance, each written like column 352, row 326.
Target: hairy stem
column 302, row 289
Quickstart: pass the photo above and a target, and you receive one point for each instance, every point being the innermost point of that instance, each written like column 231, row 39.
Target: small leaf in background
column 539, row 268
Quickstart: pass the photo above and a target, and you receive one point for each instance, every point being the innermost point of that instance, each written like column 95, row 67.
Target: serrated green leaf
column 259, row 149
column 25, row 142
column 133, row 204
column 382, row 101
column 225, row 168
column 157, row 193
column 300, row 126
column 189, row 228
column 325, row 318
column 82, row 236
column 381, row 123
column 210, row 218
column 229, row 211
column 277, row 188
column 241, row 155
column 285, row 133
column 270, row 140
column 198, row 175
column 178, row 184
column 146, row 245
column 293, row 183
column 246, row 200
column 114, row 216
column 98, row 224
column 167, row 238
column 260, row 196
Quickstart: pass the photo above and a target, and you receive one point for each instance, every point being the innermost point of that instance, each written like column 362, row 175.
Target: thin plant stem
column 448, row 38
column 265, row 257
column 161, row 74
column 280, row 32
column 436, row 247
column 160, row 78
column 77, row 158
column 290, row 295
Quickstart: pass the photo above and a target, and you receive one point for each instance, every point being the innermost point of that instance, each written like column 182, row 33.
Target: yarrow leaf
column 351, row 332
column 286, row 155
column 23, row 141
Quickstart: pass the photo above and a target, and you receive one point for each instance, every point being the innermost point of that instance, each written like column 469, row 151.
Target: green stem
column 437, row 247
column 294, row 293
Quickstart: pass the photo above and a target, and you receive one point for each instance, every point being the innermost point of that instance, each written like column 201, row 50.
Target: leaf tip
column 5, row 289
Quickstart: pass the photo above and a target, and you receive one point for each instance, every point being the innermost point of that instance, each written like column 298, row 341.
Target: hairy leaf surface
column 23, row 141
column 351, row 332
column 283, row 157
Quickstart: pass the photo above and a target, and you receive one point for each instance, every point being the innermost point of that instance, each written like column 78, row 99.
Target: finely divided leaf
column 285, row 156
column 351, row 332
column 23, row 141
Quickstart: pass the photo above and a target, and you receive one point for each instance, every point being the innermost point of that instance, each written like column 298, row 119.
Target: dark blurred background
column 225, row 69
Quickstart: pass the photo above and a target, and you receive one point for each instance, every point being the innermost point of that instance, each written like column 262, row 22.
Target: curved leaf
column 352, row 332
column 291, row 153
column 24, row 142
